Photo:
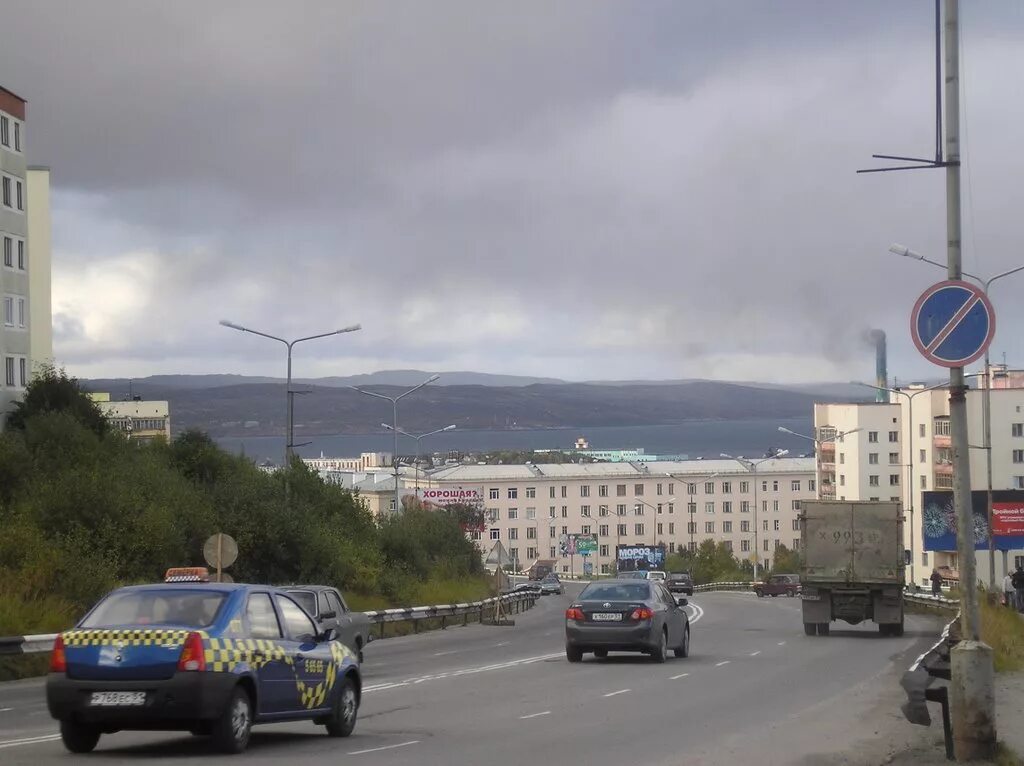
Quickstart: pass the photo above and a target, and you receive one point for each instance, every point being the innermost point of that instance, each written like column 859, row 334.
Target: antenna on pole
column 919, row 162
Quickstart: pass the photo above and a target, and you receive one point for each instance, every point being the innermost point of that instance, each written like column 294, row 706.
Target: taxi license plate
column 606, row 617
column 117, row 699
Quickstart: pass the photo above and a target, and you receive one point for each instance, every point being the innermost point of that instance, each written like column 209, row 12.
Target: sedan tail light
column 193, row 656
column 574, row 614
column 643, row 613
column 58, row 659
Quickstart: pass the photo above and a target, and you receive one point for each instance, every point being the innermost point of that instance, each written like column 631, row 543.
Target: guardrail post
column 443, row 626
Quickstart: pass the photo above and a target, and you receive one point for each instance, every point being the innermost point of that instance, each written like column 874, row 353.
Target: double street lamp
column 986, row 402
column 416, row 438
column 752, row 466
column 394, row 428
column 657, row 509
column 691, row 525
column 289, row 443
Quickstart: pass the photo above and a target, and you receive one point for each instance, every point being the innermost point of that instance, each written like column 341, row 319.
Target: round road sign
column 220, row 551
column 952, row 323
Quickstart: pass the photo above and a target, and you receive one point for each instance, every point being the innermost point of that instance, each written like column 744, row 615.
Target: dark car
column 680, row 582
column 210, row 658
column 777, row 585
column 551, row 585
column 328, row 607
column 627, row 615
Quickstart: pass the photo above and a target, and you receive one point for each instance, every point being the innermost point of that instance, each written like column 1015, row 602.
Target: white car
column 657, row 575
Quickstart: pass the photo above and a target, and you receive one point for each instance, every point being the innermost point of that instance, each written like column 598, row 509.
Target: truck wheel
column 823, row 628
column 78, row 737
column 885, row 629
column 810, row 628
column 897, row 629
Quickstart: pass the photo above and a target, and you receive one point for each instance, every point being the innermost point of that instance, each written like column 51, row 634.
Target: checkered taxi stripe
column 128, row 637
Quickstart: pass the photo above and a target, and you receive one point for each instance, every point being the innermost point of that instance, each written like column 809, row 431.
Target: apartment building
column 878, row 463
column 139, row 420
column 675, row 503
column 366, row 461
column 25, row 323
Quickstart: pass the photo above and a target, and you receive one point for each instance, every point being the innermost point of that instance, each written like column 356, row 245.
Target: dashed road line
column 6, row 709
column 620, row 691
column 442, row 654
column 754, row 654
column 504, row 643
column 534, row 715
column 386, row 747
column 681, row 675
column 723, row 662
column 782, row 643
column 29, row 741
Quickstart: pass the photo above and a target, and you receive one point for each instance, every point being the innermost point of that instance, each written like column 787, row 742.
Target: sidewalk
column 1009, row 729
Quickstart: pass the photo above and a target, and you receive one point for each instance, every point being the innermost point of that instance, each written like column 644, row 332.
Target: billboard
column 632, row 557
column 939, row 520
column 570, row 545
column 451, row 495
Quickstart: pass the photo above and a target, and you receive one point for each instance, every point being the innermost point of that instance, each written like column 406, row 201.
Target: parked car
column 778, row 585
column 529, row 587
column 680, row 582
column 551, row 585
column 327, row 606
column 627, row 615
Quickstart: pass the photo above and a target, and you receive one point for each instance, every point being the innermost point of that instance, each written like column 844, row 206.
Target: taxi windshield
column 189, row 608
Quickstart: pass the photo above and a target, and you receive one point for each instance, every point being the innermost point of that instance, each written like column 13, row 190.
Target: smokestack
column 881, row 373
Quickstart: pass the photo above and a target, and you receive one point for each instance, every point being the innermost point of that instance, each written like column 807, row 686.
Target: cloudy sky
column 581, row 188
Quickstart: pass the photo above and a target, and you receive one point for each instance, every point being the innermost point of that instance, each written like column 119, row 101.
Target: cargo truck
column 853, row 565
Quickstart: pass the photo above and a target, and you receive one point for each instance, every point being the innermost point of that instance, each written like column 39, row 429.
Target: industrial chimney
column 881, row 373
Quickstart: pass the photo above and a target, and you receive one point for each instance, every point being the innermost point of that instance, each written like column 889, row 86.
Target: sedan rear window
column 190, row 608
column 640, row 591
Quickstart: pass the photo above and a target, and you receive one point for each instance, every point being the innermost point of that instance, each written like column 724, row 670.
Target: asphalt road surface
column 504, row 696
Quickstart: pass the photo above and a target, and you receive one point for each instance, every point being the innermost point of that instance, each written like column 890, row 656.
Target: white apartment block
column 25, row 323
column 528, row 507
column 863, row 466
column 365, row 461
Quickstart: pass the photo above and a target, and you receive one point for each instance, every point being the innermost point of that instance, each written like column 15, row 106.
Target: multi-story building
column 25, row 324
column 904, row 450
column 678, row 504
column 366, row 461
column 138, row 419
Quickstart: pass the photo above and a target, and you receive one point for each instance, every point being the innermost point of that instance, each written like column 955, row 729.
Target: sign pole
column 220, row 554
column 972, row 697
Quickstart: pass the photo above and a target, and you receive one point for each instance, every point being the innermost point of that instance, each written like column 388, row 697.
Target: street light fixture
column 691, row 525
column 986, row 401
column 752, row 466
column 394, row 404
column 417, row 439
column 911, row 490
column 289, row 445
column 654, row 527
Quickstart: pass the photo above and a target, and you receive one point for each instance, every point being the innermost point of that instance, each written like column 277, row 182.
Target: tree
column 786, row 561
column 52, row 390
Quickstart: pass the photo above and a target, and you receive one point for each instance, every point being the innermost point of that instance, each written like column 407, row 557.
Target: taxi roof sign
column 187, row 574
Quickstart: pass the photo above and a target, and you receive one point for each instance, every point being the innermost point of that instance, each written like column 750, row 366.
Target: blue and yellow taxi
column 194, row 655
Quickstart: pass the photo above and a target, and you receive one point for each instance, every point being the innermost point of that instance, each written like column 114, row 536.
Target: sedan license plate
column 606, row 617
column 117, row 699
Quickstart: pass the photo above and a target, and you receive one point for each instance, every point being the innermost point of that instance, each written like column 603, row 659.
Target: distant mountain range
column 237, row 405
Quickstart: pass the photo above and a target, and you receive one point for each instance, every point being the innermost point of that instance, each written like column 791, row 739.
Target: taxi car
column 209, row 658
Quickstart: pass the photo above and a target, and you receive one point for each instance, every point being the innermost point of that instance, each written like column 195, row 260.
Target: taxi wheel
column 231, row 731
column 79, row 738
column 342, row 719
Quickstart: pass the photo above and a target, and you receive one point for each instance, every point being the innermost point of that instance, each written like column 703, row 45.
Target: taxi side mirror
column 329, row 635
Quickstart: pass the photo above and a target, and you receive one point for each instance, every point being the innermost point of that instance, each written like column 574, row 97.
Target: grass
column 1005, row 756
column 22, row 614
column 1003, row 630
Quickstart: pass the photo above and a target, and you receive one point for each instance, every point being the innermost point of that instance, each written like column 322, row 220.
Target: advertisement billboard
column 586, row 545
column 452, row 495
column 632, row 557
column 939, row 520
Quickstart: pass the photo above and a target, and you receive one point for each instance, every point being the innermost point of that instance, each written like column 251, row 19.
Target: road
column 506, row 695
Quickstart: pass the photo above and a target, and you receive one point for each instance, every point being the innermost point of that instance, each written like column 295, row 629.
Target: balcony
column 943, row 469
column 941, row 441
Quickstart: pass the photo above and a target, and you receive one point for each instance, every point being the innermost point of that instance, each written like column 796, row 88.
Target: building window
column 894, row 480
column 552, row 553
column 924, row 482
column 671, row 528
column 744, row 526
column 941, row 426
column 671, row 508
column 726, row 487
column 727, row 507
column 602, row 510
column 620, row 509
column 531, row 514
column 765, row 546
column 6, row 191
column 495, row 493
column 894, row 436
column 9, row 311
column 775, row 505
column 873, row 437
column 638, row 490
column 565, row 491
column 638, row 509
column 709, row 507
column 811, row 485
column 603, row 530
column 796, row 525
column 603, row 551
column 1018, row 456
column 639, row 528
column 513, row 493
column 659, row 490
column 492, row 514
column 745, row 546
column 605, row 569
column 5, row 130
column 531, row 492
column 1018, row 482
column 691, row 528
column 1017, row 429
column 842, row 480
column 602, row 490
column 943, row 481
column 775, row 486
column 8, row 252
column 727, row 527
column 513, row 514
column 661, row 529
column 551, row 492
column 764, row 525
column 552, row 531
column 585, row 511
column 585, row 491
column 745, row 506
column 691, row 489
column 20, row 194
column 923, row 457
column 764, row 486
column 776, row 527
column 894, row 458
column 531, row 553
column 873, row 480
column 495, row 533
column 744, row 487
column 551, row 512
column 9, row 378
column 17, row 136
column 873, row 458
column 513, row 533
column 842, row 458
column 620, row 490
column 709, row 527
column 921, row 430
column 794, row 486
column 709, row 488
column 659, row 509
column 796, row 505
column 565, row 511
column 691, row 508
column 620, row 530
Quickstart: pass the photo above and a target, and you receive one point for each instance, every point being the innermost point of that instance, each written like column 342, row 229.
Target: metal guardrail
column 514, row 603
column 917, row 681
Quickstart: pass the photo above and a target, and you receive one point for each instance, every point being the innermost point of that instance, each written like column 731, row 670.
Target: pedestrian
column 1008, row 592
column 936, row 579
column 1018, row 586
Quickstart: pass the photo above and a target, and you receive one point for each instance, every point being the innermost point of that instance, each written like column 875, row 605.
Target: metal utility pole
column 752, row 466
column 691, row 525
column 289, row 442
column 972, row 697
column 416, row 438
column 394, row 405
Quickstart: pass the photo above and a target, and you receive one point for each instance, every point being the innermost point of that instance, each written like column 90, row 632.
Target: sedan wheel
column 683, row 650
column 660, row 653
column 573, row 653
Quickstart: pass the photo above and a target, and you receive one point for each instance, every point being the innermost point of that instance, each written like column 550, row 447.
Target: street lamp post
column 691, row 525
column 986, row 401
column 394, row 405
column 911, row 490
column 654, row 527
column 289, row 445
column 752, row 466
column 417, row 440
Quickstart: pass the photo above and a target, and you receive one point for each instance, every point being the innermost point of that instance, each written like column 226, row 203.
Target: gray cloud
column 585, row 189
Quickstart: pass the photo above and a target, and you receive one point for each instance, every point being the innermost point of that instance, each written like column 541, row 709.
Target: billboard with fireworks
column 939, row 520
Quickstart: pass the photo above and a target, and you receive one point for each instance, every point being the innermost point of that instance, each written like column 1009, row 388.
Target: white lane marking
column 782, row 643
column 442, row 654
column 681, row 675
column 754, row 654
column 620, row 691
column 6, row 709
column 386, row 747
column 697, row 613
column 462, row 672
column 534, row 715
column 504, row 643
column 29, row 741
column 723, row 662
